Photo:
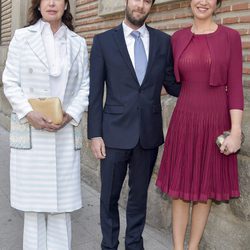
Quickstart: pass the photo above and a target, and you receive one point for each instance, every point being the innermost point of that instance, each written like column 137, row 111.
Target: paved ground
column 86, row 223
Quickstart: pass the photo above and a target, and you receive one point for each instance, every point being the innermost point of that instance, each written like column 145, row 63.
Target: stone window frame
column 107, row 7
column 19, row 14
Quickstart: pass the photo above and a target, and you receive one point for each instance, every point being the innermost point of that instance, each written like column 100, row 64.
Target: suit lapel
column 121, row 44
column 152, row 52
column 36, row 43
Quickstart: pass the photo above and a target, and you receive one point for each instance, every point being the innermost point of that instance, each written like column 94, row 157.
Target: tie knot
column 135, row 34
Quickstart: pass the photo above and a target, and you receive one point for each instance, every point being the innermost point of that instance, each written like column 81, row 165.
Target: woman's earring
column 39, row 8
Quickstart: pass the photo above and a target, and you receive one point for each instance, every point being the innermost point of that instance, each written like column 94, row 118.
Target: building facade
column 229, row 223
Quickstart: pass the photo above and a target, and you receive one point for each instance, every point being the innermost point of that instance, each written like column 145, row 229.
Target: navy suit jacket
column 128, row 113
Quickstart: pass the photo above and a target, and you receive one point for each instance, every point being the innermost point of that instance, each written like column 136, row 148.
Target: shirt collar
column 45, row 29
column 127, row 30
column 61, row 33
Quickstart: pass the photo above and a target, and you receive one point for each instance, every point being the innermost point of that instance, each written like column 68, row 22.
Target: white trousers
column 46, row 231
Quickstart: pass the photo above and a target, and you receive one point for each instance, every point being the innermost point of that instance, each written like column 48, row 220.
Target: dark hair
column 219, row 2
column 34, row 14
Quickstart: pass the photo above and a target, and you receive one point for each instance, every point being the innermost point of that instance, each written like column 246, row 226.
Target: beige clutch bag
column 49, row 107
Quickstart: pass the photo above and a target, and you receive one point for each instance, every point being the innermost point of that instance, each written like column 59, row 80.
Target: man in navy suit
column 126, row 131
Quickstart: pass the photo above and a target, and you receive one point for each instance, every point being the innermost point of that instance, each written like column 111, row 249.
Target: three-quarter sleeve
column 234, row 78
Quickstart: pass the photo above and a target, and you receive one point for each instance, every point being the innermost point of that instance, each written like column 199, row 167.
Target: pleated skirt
column 192, row 167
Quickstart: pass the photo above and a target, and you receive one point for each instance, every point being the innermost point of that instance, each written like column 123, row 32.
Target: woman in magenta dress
column 208, row 64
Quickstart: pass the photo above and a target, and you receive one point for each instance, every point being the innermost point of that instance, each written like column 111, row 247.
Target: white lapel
column 36, row 43
column 73, row 47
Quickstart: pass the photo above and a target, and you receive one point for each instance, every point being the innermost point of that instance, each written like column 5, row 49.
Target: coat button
column 30, row 70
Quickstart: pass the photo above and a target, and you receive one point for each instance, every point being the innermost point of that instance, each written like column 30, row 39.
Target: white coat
column 44, row 166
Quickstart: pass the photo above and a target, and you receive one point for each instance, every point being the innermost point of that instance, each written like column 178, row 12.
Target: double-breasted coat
column 44, row 166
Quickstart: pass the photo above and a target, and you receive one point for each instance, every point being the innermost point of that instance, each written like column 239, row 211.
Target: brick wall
column 169, row 17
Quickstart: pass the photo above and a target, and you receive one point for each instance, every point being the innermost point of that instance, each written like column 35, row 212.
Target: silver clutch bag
column 220, row 139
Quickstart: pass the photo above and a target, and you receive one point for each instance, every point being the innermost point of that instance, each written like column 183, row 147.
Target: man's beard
column 132, row 20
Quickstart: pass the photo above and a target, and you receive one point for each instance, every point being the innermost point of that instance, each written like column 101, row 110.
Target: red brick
column 83, row 8
column 241, row 6
column 230, row 20
column 246, row 45
column 80, row 2
column 224, row 9
column 185, row 4
column 246, row 58
column 183, row 15
column 246, row 71
column 245, row 19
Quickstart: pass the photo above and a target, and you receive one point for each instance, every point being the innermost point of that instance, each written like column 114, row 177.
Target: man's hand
column 98, row 148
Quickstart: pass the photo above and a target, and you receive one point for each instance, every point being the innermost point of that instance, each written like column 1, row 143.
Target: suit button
column 30, row 70
column 139, row 90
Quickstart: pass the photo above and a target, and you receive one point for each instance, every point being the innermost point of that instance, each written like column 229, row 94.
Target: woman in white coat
column 46, row 59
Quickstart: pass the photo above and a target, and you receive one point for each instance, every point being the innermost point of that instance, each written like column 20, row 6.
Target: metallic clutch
column 220, row 139
column 49, row 107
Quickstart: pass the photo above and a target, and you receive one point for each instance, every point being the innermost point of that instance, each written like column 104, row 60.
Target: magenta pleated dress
column 192, row 167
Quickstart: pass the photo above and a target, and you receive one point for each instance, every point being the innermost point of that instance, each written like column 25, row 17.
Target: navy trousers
column 140, row 163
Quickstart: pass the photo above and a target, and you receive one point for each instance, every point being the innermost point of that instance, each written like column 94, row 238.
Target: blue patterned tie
column 140, row 56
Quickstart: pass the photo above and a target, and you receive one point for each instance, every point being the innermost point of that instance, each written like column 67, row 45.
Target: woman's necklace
column 213, row 27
